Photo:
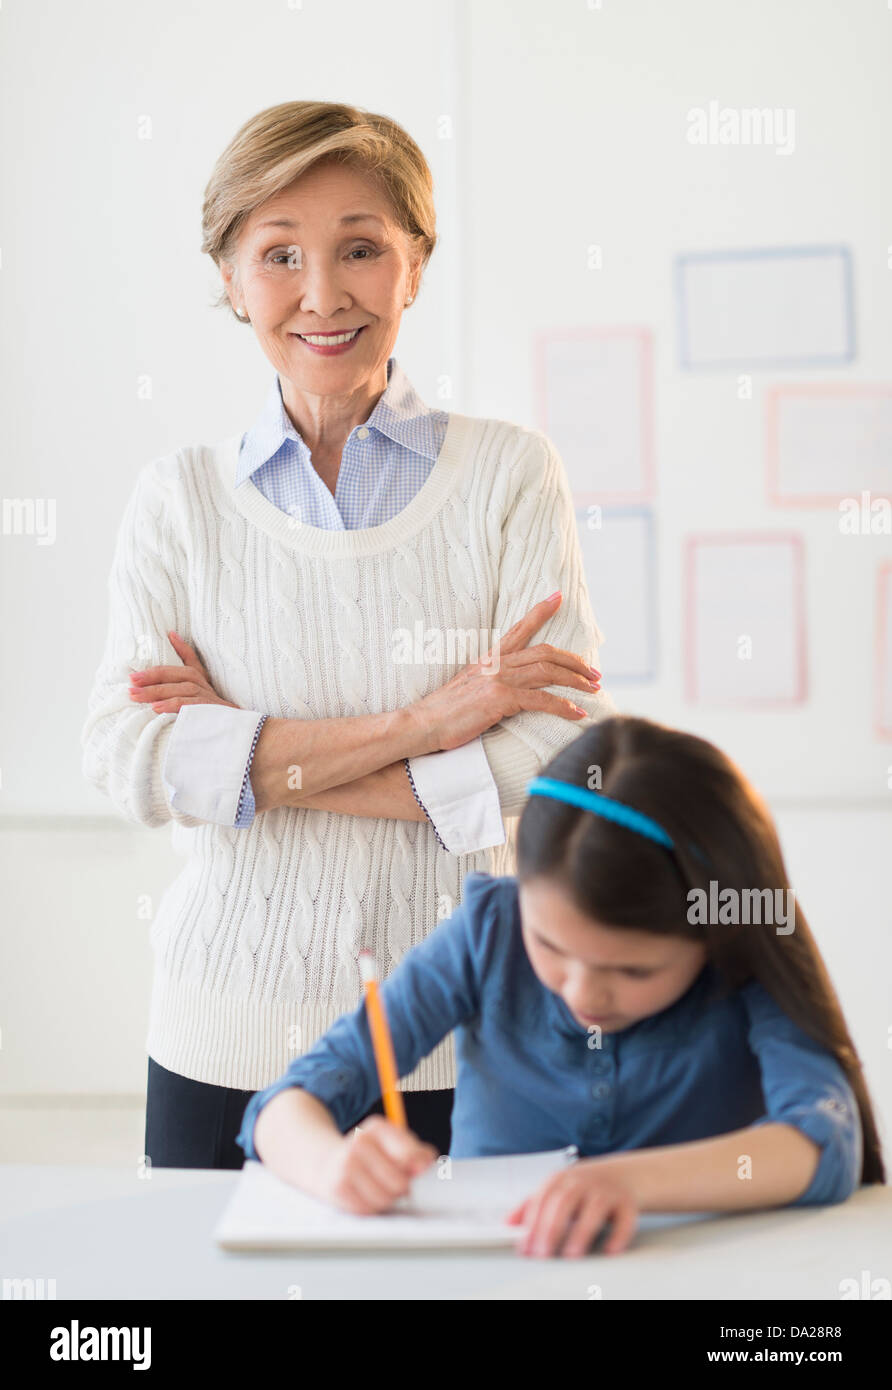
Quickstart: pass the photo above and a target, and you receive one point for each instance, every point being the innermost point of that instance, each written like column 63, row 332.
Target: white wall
column 582, row 139
column 564, row 126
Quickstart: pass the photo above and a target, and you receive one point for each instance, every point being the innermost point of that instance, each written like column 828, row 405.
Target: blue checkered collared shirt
column 384, row 462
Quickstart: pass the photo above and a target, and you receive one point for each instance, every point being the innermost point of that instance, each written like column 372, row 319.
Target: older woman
column 333, row 757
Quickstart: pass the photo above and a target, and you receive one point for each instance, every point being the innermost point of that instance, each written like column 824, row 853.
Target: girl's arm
column 769, row 1164
column 296, row 1137
column 288, row 1114
column 762, row 1166
column 297, row 1126
column 807, row 1149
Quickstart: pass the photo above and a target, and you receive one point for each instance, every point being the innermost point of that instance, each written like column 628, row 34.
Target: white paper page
column 772, row 307
column 835, row 444
column 618, row 561
column 745, row 592
column 465, row 1209
column 595, row 408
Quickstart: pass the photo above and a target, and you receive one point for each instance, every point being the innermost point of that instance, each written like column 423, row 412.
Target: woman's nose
column 320, row 291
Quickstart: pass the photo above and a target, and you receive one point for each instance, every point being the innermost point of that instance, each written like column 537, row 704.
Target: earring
column 241, row 319
column 409, row 300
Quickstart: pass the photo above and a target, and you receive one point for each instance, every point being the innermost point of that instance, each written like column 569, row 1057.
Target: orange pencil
column 381, row 1042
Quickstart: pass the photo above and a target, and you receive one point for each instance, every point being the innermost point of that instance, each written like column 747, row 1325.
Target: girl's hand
column 168, row 688
column 508, row 681
column 570, row 1208
column 370, row 1168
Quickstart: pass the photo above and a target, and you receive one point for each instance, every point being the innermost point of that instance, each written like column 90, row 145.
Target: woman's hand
column 486, row 691
column 168, row 688
column 567, row 1212
column 370, row 1168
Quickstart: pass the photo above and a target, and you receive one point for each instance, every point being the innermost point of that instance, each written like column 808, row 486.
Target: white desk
column 104, row 1233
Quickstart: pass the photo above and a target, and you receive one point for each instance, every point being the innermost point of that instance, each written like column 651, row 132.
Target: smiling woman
column 338, row 793
column 338, row 292
column 360, row 234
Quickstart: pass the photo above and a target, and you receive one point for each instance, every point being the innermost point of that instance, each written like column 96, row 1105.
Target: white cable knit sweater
column 256, row 940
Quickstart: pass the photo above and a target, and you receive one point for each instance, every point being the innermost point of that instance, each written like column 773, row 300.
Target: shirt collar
column 400, row 414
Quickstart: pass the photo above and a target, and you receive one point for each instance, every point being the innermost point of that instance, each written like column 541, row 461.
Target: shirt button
column 363, row 433
column 602, row 1089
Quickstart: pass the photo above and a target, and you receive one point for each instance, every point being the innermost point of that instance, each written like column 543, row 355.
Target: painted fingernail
column 551, row 596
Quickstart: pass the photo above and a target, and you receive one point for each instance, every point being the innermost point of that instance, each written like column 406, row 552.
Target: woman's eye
column 637, row 974
column 365, row 253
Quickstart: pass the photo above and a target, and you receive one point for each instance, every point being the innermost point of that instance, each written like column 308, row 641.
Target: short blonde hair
column 279, row 144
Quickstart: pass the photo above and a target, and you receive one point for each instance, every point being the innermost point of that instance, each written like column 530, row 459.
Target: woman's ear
column 415, row 269
column 230, row 283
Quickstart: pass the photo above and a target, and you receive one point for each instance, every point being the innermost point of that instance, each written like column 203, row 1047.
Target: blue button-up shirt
column 530, row 1079
column 384, row 461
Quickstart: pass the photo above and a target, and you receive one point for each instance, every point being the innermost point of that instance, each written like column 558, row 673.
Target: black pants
column 192, row 1124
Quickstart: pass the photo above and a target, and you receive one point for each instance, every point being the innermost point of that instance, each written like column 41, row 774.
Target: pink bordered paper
column 728, row 591
column 866, row 432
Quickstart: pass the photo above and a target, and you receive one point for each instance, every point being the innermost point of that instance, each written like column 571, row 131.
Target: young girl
column 699, row 1061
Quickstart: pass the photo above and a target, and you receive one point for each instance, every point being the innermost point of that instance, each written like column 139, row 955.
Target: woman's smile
column 329, row 344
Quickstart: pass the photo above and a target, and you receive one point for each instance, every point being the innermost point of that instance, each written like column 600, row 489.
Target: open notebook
column 466, row 1208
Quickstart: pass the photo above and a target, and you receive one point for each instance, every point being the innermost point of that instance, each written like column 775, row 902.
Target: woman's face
column 607, row 977
column 353, row 270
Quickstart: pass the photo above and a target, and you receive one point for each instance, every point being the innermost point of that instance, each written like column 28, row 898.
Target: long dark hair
column 705, row 803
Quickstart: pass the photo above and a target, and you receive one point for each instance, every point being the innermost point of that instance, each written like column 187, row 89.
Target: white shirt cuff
column 206, row 759
column 459, row 793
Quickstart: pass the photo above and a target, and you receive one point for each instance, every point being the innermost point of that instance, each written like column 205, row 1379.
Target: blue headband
column 605, row 806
